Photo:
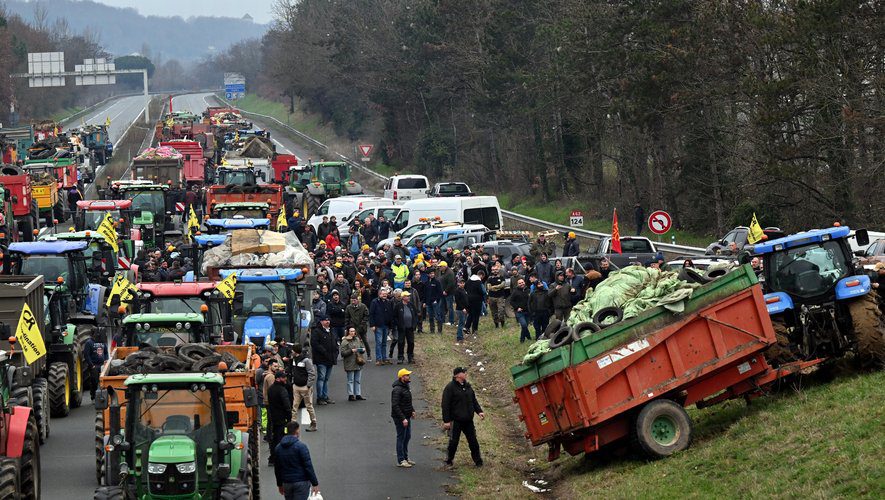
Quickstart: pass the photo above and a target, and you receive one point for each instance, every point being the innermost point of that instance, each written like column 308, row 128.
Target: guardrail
column 667, row 248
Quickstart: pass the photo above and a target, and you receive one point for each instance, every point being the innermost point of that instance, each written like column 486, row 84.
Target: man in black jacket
column 406, row 317
column 519, row 301
column 458, row 406
column 325, row 356
column 402, row 411
column 279, row 406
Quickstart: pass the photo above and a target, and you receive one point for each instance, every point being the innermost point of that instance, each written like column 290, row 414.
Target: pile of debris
column 180, row 359
column 257, row 248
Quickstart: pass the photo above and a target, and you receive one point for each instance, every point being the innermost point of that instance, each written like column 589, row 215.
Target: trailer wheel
column 59, row 389
column 41, row 407
column 109, row 493
column 29, row 478
column 234, row 489
column 313, row 203
column 255, row 453
column 662, row 428
column 99, row 446
column 869, row 330
column 608, row 316
column 9, row 478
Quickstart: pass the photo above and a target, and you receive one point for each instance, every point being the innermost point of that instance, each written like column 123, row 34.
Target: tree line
column 710, row 109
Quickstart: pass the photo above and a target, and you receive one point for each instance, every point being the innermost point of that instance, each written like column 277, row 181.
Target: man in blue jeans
column 380, row 319
column 402, row 411
column 325, row 357
column 461, row 305
column 519, row 301
column 294, row 469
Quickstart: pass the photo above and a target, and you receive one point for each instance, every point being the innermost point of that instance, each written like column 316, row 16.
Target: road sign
column 576, row 219
column 659, row 222
column 46, row 69
column 234, row 85
column 366, row 149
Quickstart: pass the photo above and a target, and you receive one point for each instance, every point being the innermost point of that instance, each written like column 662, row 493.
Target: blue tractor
column 821, row 303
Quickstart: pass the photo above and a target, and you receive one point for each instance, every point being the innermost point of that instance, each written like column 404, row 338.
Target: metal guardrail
column 669, row 248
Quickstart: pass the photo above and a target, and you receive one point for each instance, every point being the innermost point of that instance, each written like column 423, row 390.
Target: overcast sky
column 260, row 10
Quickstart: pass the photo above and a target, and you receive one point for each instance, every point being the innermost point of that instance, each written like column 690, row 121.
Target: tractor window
column 92, row 218
column 238, row 177
column 807, row 271
column 167, row 335
column 248, row 213
column 50, row 266
column 332, row 174
column 174, row 305
column 150, row 201
column 263, row 298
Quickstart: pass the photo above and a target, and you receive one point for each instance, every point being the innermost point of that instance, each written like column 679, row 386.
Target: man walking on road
column 458, row 406
column 402, row 412
column 406, row 318
column 380, row 319
column 294, row 469
column 325, row 356
column 280, row 406
column 304, row 375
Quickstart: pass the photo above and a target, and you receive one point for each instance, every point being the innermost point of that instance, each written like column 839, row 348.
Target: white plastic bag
column 315, row 496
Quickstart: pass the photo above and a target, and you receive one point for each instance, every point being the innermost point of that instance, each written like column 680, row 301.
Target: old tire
column 313, row 204
column 552, row 328
column 584, row 327
column 109, row 493
column 59, row 390
column 9, row 478
column 234, row 489
column 608, row 316
column 99, row 446
column 40, row 389
column 209, row 363
column 662, row 428
column 29, row 465
column 562, row 337
column 869, row 330
column 194, row 352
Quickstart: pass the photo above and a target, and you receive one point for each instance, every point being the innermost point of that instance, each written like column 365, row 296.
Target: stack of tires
column 185, row 358
column 560, row 334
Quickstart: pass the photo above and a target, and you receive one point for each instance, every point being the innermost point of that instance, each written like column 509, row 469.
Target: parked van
column 400, row 188
column 469, row 210
column 388, row 211
column 345, row 205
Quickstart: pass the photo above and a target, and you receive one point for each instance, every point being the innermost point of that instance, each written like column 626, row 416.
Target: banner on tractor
column 756, row 232
column 192, row 223
column 107, row 229
column 122, row 287
column 28, row 336
column 281, row 219
column 227, row 286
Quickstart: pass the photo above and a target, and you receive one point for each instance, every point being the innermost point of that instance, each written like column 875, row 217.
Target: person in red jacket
column 332, row 239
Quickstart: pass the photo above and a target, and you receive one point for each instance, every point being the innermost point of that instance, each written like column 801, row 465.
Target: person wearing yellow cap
column 571, row 247
column 402, row 411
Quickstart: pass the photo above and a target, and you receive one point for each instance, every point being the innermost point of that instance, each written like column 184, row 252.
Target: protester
column 459, row 404
column 571, row 248
column 462, row 305
column 638, row 217
column 380, row 319
column 353, row 358
column 561, row 298
column 539, row 305
column 335, row 312
column 519, row 301
column 304, row 376
column 448, row 282
column 544, row 270
column 497, row 289
column 402, row 411
column 294, row 471
column 433, row 299
column 279, row 405
column 475, row 300
column 325, row 357
column 357, row 316
column 406, row 318
column 541, row 245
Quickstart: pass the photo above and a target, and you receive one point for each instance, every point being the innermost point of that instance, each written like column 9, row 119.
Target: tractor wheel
column 233, row 489
column 59, row 390
column 313, row 204
column 780, row 352
column 41, row 407
column 29, row 478
column 662, row 428
column 58, row 211
column 84, row 333
column 109, row 493
column 26, row 226
column 869, row 330
column 255, row 454
column 99, row 446
column 248, row 478
column 9, row 478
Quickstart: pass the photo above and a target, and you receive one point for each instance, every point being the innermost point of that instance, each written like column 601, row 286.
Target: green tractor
column 310, row 185
column 150, row 217
column 19, row 441
column 178, row 441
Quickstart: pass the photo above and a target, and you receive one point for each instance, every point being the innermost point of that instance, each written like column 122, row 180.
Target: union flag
column 616, row 235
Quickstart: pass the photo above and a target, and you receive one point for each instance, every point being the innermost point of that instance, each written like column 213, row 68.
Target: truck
column 178, row 425
column 26, row 214
column 19, row 441
column 271, row 194
column 821, row 301
column 244, row 215
column 327, row 179
column 194, row 163
column 45, row 189
column 634, row 378
column 634, row 250
column 162, row 165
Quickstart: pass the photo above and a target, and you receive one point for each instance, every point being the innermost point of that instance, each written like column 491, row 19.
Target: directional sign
column 659, row 222
column 366, row 149
column 576, row 218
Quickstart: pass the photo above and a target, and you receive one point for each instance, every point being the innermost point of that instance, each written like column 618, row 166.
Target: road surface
column 354, row 451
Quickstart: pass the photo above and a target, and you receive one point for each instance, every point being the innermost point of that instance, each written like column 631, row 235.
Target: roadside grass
column 811, row 439
column 65, row 113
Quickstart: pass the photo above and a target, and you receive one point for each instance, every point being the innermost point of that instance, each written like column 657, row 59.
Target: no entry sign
column 659, row 222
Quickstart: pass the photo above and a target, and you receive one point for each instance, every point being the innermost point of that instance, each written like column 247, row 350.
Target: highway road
column 353, row 452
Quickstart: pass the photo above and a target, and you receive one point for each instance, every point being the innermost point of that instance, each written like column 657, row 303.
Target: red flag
column 616, row 235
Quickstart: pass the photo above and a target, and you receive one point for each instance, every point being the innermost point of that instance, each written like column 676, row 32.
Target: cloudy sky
column 260, row 10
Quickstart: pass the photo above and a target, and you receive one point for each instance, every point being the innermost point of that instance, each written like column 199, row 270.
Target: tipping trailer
column 19, row 441
column 635, row 377
column 272, row 194
column 193, row 162
column 25, row 212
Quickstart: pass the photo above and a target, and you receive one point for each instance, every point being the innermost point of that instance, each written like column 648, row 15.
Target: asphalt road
column 354, row 451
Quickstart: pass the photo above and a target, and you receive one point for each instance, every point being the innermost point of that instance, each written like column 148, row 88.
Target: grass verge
column 65, row 113
column 821, row 441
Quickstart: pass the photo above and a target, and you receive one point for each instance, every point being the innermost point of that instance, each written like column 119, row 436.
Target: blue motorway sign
column 235, row 87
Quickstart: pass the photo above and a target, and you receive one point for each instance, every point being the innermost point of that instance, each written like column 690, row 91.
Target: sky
column 260, row 10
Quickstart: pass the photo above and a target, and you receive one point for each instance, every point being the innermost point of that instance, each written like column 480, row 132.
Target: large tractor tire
column 249, row 479
column 313, row 204
column 781, row 351
column 58, row 211
column 234, row 489
column 59, row 390
column 304, row 207
column 29, row 465
column 41, row 407
column 26, row 226
column 9, row 478
column 99, row 446
column 84, row 333
column 869, row 330
column 109, row 493
column 255, row 454
column 663, row 428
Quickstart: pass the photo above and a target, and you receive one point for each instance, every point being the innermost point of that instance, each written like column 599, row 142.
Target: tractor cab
column 237, row 215
column 186, row 298
column 91, row 213
column 150, row 216
column 235, row 176
column 101, row 261
column 270, row 304
column 162, row 329
column 178, row 440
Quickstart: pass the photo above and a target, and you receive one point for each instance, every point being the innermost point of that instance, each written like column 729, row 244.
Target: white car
column 401, row 188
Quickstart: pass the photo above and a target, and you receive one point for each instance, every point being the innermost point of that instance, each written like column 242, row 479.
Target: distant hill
column 124, row 31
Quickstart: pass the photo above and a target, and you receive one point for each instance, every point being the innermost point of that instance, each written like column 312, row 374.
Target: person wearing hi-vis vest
column 400, row 272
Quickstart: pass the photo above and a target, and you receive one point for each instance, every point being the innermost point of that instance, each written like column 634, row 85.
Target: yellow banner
column 756, row 233
column 109, row 232
column 281, row 219
column 227, row 286
column 28, row 336
column 120, row 283
column 193, row 224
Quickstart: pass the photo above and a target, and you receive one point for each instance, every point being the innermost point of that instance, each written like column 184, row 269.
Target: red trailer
column 25, row 213
column 194, row 164
column 280, row 164
column 636, row 380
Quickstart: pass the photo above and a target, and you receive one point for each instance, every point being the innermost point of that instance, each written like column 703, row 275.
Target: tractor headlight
column 156, row 468
column 178, row 326
column 187, row 467
column 187, row 326
column 149, row 226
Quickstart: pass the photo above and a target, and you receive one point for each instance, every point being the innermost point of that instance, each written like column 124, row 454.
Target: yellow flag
column 109, row 232
column 193, row 223
column 107, row 121
column 227, row 286
column 28, row 336
column 281, row 219
column 756, row 233
column 120, row 283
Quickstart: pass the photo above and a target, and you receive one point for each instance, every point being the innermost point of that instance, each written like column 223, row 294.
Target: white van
column 388, row 211
column 468, row 210
column 343, row 206
column 400, row 188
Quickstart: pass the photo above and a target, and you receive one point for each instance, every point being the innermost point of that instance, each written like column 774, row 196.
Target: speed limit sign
column 576, row 219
